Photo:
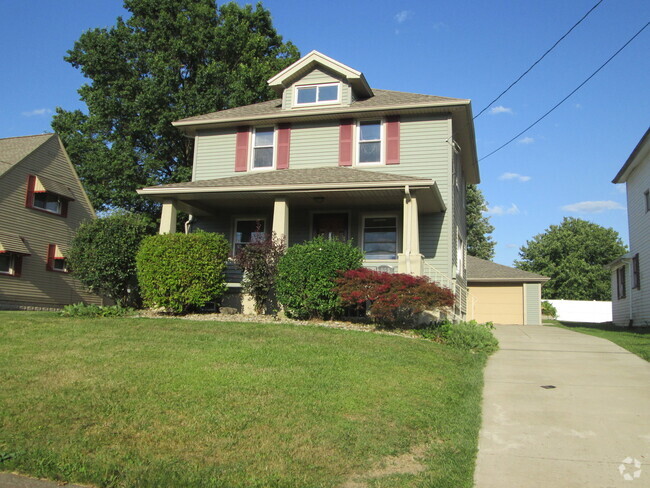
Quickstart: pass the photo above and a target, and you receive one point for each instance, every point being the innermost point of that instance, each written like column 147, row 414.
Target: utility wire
column 565, row 98
column 536, row 62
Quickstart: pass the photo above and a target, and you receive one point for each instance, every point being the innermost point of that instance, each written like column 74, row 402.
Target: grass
column 635, row 340
column 121, row 402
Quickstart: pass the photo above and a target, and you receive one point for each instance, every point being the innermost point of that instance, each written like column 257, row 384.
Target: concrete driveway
column 588, row 431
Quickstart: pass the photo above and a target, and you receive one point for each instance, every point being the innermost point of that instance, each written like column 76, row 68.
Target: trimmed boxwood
column 307, row 274
column 181, row 272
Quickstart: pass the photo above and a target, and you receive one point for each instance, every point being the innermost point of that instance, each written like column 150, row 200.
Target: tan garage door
column 501, row 304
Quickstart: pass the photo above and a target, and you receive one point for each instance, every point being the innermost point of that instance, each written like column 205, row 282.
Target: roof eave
column 542, row 279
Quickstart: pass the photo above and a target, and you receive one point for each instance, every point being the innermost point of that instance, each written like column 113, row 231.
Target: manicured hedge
column 181, row 272
column 306, row 275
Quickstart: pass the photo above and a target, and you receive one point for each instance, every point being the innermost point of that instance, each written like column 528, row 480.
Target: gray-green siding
column 533, row 303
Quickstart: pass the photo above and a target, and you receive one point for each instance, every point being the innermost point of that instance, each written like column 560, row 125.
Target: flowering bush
column 394, row 298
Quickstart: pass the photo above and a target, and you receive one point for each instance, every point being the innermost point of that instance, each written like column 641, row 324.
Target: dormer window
column 47, row 195
column 49, row 202
column 318, row 94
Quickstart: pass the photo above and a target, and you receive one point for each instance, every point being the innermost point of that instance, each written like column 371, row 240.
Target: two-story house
column 42, row 203
column 333, row 156
column 631, row 272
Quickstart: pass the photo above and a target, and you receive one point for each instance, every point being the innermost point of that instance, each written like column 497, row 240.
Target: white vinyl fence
column 582, row 311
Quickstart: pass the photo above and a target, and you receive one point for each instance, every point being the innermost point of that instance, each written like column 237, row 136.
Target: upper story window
column 48, row 195
column 263, row 148
column 636, row 272
column 317, row 94
column 370, row 139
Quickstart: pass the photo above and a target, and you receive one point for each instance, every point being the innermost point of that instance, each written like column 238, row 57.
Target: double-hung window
column 317, row 94
column 370, row 135
column 380, row 237
column 263, row 148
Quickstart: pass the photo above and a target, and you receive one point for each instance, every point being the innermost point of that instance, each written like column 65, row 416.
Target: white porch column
column 281, row 219
column 410, row 260
column 168, row 218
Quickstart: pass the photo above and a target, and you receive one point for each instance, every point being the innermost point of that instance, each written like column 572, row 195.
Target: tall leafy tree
column 573, row 254
column 479, row 240
column 169, row 60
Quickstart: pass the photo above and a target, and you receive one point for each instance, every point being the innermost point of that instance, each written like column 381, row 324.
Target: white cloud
column 620, row 189
column 526, row 140
column 578, row 106
column 500, row 109
column 514, row 176
column 501, row 210
column 403, row 16
column 512, row 246
column 593, row 207
column 37, row 112
column 439, row 26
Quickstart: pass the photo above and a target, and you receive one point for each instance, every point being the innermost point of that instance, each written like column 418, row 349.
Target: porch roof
column 347, row 184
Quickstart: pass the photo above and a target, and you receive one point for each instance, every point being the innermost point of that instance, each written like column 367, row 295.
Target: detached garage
column 502, row 294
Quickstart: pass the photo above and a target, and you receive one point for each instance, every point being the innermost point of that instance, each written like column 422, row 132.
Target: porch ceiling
column 207, row 203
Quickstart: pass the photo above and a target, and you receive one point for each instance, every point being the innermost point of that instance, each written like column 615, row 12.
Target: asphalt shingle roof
column 15, row 149
column 382, row 98
column 482, row 270
column 285, row 177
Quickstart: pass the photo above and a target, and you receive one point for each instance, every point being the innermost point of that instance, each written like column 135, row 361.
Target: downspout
column 407, row 222
column 188, row 223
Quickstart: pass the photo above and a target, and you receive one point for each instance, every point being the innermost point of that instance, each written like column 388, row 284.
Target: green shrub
column 395, row 299
column 548, row 309
column 182, row 272
column 83, row 310
column 102, row 255
column 306, row 274
column 468, row 336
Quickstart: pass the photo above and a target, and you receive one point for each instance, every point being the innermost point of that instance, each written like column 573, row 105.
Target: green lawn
column 636, row 340
column 125, row 402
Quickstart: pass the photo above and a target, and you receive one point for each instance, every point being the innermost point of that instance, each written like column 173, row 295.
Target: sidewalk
column 9, row 480
column 577, row 434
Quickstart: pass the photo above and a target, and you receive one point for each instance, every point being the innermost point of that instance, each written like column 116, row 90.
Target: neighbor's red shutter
column 284, row 143
column 29, row 196
column 51, row 252
column 241, row 151
column 392, row 140
column 18, row 265
column 346, row 133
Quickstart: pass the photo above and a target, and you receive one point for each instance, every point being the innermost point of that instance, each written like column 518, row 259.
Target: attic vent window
column 316, row 94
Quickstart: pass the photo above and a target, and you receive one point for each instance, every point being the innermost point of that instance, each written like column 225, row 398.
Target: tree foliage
column 169, row 60
column 102, row 255
column 573, row 254
column 479, row 240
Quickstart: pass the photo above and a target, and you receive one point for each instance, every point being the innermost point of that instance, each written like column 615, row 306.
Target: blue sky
column 463, row 49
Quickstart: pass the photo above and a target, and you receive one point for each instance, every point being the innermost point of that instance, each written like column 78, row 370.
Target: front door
column 331, row 226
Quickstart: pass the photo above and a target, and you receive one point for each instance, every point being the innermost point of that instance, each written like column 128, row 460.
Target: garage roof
column 480, row 270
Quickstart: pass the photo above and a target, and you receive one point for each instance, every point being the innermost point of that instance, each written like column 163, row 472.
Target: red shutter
column 392, row 140
column 29, row 196
column 18, row 265
column 346, row 133
column 241, row 151
column 284, row 143
column 51, row 252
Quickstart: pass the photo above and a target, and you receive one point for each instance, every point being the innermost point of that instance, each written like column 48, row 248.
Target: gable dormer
column 316, row 80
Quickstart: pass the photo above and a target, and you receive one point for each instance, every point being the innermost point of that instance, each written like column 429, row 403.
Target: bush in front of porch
column 307, row 274
column 181, row 272
column 396, row 300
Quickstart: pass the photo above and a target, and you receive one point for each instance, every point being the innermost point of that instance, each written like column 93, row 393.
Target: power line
column 565, row 98
column 536, row 62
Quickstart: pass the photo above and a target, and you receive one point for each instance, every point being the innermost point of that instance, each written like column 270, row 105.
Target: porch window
column 263, row 141
column 247, row 231
column 636, row 272
column 620, row 282
column 370, row 141
column 330, row 226
column 380, row 237
column 313, row 94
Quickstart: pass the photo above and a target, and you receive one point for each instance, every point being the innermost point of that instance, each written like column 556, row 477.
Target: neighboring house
column 502, row 294
column 42, row 203
column 631, row 272
column 334, row 157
